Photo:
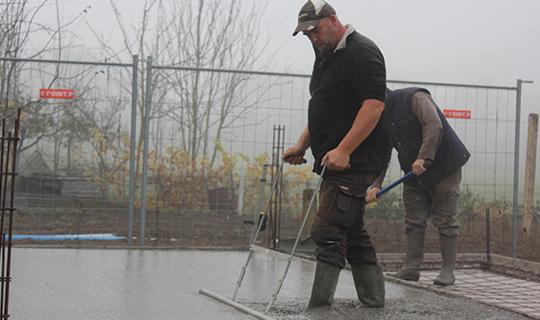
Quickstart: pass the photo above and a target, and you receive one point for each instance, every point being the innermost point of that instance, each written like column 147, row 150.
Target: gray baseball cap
column 311, row 13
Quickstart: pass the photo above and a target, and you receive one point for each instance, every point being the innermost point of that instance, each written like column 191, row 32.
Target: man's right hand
column 294, row 155
column 419, row 167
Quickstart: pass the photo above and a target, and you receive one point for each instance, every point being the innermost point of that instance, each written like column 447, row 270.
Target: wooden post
column 529, row 223
column 488, row 236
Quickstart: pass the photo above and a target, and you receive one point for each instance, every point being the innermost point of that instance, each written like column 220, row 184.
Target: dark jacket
column 340, row 83
column 405, row 135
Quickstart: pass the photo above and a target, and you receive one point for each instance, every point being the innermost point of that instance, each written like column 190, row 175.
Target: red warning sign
column 56, row 93
column 457, row 114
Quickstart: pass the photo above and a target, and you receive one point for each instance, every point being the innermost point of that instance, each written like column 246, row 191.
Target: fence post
column 516, row 170
column 146, row 134
column 530, row 170
column 515, row 207
column 132, row 145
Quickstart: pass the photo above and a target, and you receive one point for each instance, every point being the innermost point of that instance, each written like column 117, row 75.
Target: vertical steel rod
column 132, row 145
column 11, row 209
column 3, row 183
column 279, row 152
column 4, row 177
column 3, row 274
column 282, row 145
column 146, row 133
column 272, row 212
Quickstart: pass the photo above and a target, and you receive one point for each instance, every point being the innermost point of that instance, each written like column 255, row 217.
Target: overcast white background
column 477, row 42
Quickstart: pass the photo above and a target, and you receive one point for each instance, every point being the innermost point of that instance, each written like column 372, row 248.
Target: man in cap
column 347, row 87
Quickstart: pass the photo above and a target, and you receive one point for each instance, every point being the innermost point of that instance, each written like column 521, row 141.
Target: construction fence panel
column 212, row 151
column 234, row 114
column 73, row 161
column 212, row 136
column 484, row 119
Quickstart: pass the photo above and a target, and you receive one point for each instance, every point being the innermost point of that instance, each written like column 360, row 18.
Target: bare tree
column 210, row 34
column 18, row 23
column 201, row 34
column 15, row 26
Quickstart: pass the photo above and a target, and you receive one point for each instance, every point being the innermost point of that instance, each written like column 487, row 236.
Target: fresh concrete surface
column 66, row 284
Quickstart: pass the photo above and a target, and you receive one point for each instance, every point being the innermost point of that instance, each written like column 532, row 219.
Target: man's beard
column 324, row 53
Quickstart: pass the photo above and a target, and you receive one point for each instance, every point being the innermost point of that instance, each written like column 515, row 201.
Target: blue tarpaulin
column 64, row 237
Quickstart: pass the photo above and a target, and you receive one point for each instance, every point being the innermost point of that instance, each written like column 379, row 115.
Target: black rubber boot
column 369, row 283
column 448, row 253
column 324, row 285
column 413, row 257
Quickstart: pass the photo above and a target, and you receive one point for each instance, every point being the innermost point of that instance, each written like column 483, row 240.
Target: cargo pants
column 338, row 227
column 438, row 203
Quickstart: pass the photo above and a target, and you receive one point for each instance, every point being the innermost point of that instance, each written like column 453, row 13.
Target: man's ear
column 332, row 18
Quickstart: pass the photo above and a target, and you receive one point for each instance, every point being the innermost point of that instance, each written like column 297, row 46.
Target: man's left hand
column 371, row 195
column 418, row 167
column 336, row 160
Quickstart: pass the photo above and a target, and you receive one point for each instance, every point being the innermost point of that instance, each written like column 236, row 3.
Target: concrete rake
column 232, row 302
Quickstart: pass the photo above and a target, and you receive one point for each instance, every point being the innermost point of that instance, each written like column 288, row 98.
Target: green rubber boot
column 448, row 253
column 324, row 285
column 369, row 284
column 413, row 257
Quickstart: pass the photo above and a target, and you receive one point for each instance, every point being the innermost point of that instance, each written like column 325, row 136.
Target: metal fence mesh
column 211, row 132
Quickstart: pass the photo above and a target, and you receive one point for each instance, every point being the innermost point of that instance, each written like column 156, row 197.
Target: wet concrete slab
column 64, row 284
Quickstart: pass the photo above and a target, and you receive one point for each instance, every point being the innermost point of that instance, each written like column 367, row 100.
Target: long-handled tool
column 379, row 194
column 427, row 164
column 254, row 313
column 280, row 283
column 234, row 304
column 262, row 218
column 393, row 184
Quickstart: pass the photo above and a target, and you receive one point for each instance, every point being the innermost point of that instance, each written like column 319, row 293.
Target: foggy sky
column 477, row 42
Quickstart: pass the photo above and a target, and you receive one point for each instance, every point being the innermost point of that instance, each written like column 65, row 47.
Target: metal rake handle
column 280, row 284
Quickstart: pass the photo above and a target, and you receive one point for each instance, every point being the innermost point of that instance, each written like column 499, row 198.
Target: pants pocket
column 349, row 201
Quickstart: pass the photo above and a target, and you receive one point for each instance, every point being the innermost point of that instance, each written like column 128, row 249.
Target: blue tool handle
column 393, row 184
column 427, row 164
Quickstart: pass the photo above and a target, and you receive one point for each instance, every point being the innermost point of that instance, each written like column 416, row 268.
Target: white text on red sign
column 457, row 114
column 56, row 93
